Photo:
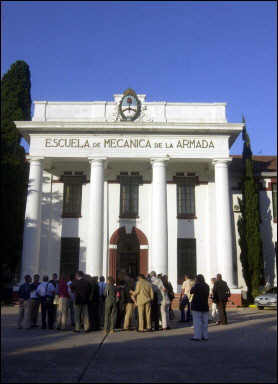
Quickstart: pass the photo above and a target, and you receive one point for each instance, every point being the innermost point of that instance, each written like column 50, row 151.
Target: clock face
column 129, row 106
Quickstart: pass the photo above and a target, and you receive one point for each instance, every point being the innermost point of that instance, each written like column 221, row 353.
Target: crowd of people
column 95, row 305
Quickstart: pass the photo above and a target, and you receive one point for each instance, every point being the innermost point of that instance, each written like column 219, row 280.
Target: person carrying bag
column 46, row 292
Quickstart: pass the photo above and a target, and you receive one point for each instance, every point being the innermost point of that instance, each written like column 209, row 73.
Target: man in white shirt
column 46, row 292
column 184, row 300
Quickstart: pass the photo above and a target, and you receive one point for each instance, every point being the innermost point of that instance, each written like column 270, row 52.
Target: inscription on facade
column 127, row 143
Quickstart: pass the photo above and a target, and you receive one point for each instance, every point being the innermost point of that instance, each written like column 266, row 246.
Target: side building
column 131, row 186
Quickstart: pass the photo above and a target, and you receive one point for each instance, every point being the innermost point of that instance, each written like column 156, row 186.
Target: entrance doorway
column 128, row 257
column 128, row 251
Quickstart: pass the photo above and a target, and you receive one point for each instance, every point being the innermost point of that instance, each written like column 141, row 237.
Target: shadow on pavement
column 244, row 351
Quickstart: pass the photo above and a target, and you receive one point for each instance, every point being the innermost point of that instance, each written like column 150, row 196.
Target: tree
column 15, row 106
column 249, row 223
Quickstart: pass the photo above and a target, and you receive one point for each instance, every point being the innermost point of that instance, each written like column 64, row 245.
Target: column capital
column 35, row 158
column 157, row 160
column 221, row 162
column 97, row 160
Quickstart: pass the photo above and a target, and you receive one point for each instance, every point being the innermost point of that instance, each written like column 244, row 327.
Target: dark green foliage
column 15, row 106
column 249, row 223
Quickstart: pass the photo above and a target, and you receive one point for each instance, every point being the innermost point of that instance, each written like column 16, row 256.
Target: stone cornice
column 26, row 128
column 126, row 126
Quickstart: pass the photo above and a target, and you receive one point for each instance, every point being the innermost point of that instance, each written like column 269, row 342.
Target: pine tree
column 15, row 106
column 249, row 223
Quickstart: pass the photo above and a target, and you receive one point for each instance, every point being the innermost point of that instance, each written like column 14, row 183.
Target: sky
column 174, row 51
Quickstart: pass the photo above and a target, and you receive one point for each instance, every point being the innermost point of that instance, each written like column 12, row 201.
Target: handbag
column 47, row 299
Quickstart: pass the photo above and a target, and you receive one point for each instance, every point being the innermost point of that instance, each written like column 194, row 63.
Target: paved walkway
column 245, row 351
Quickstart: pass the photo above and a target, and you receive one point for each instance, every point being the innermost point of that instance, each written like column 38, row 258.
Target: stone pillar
column 224, row 249
column 159, row 229
column 94, row 259
column 32, row 225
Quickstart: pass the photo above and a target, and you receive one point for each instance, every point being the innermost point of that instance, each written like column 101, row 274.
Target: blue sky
column 201, row 51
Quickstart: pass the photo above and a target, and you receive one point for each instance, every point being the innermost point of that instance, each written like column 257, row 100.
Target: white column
column 159, row 229
column 224, row 249
column 32, row 225
column 94, row 259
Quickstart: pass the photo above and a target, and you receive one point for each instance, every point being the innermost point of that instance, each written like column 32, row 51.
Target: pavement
column 244, row 351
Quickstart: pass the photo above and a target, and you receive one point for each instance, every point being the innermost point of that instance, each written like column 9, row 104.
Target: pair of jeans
column 200, row 322
column 49, row 309
column 183, row 304
column 188, row 313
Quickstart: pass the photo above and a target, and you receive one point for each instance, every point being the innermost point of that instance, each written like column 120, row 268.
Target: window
column 72, row 196
column 186, row 258
column 129, row 196
column 185, row 197
column 274, row 200
column 69, row 260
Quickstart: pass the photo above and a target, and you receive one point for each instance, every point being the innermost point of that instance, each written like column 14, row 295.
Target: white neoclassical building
column 136, row 186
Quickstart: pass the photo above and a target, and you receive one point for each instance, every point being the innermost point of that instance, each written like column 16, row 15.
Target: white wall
column 203, row 228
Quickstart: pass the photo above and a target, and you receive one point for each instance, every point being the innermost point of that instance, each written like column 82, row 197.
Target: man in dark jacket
column 221, row 293
column 23, row 296
column 82, row 290
column 95, row 305
column 200, row 308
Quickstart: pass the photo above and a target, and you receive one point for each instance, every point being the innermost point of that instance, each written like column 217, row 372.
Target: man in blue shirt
column 102, row 286
column 23, row 296
column 46, row 289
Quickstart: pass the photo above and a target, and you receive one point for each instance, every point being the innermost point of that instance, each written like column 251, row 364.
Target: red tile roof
column 260, row 163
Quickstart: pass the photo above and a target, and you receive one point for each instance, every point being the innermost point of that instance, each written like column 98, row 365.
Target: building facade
column 134, row 186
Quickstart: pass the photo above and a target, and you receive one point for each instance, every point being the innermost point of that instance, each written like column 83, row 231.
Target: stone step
column 176, row 301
